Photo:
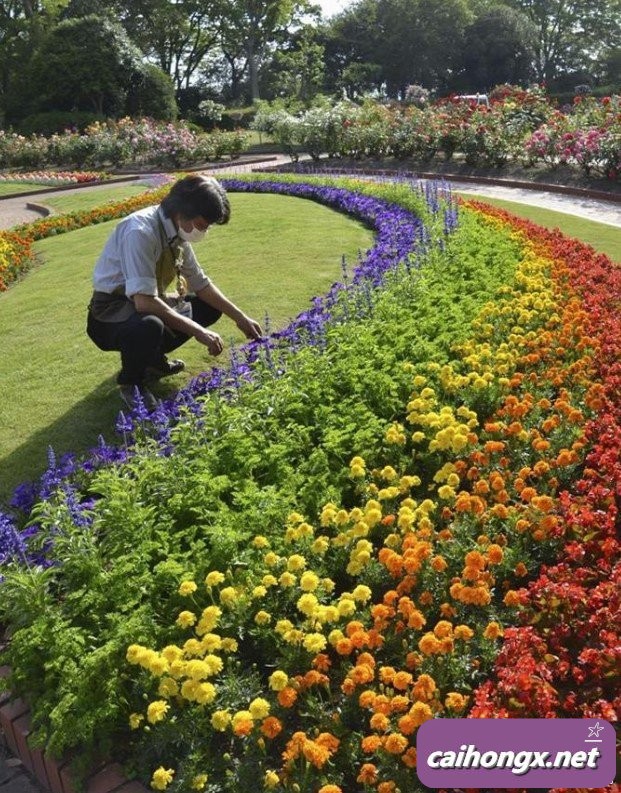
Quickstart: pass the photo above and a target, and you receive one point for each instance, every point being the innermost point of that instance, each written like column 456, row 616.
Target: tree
column 98, row 63
column 297, row 69
column 571, row 34
column 176, row 35
column 499, row 47
column 248, row 27
column 350, row 40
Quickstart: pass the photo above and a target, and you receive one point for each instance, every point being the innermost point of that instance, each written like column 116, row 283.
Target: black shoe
column 164, row 369
column 132, row 394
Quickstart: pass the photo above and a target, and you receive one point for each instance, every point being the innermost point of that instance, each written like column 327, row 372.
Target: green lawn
column 89, row 198
column 58, row 389
column 14, row 188
column 601, row 236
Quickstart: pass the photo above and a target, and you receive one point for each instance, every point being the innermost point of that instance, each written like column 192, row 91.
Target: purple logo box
column 516, row 753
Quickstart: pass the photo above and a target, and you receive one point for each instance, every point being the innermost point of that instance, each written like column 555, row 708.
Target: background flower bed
column 519, row 126
column 141, row 142
column 344, row 392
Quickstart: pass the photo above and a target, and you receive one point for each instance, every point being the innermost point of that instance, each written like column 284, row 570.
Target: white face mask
column 196, row 235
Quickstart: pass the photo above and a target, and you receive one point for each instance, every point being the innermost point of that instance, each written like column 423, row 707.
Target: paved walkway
column 14, row 211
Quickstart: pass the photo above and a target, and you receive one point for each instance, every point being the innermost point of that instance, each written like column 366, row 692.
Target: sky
column 331, row 7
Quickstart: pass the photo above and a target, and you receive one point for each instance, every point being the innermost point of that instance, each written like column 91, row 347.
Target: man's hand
column 249, row 327
column 212, row 341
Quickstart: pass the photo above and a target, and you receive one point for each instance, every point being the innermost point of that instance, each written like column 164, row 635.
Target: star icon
column 595, row 731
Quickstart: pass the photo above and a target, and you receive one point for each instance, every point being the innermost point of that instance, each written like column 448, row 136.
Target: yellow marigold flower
column 309, row 581
column 157, row 711
column 262, row 618
column 357, row 461
column 295, row 563
column 168, row 688
column 192, row 647
column 214, row 663
column 186, row 619
column 228, row 596
column 278, row 680
column 346, row 607
column 314, row 642
column 271, row 780
column 328, row 584
column 210, row 617
column 187, row 588
column 159, row 666
column 199, row 782
column 189, row 689
column 133, row 653
column 214, row 578
column 320, row 545
column 287, row 580
column 220, row 720
column 446, row 492
column 205, row 693
column 229, row 645
column 307, row 604
column 259, row 592
column 261, row 542
column 259, row 708
column 362, row 593
column 162, row 777
column 271, row 559
column 269, row 580
column 211, row 642
column 135, row 720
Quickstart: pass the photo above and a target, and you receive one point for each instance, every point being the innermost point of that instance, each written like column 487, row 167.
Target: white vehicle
column 480, row 99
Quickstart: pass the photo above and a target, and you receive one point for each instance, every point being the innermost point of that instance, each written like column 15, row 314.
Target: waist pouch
column 111, row 308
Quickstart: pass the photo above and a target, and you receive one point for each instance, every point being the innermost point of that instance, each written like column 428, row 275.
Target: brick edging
column 542, row 187
column 55, row 776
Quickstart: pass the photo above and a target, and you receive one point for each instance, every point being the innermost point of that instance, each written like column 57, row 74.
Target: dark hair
column 198, row 196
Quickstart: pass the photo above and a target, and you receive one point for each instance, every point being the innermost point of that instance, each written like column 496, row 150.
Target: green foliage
column 54, row 121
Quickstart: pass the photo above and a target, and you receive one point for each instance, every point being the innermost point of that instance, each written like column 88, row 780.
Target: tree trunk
column 253, row 69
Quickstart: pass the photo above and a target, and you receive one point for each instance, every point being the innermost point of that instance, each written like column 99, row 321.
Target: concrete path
column 14, row 211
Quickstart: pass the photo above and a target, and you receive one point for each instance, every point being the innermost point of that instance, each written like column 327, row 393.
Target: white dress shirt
column 132, row 250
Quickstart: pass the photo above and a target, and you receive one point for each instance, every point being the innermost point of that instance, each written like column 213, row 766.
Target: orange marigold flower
column 399, row 704
column 528, row 493
column 368, row 774
column 443, row 629
column 429, row 645
column 287, row 697
column 331, row 742
column 475, row 559
column 500, row 511
column 426, row 598
column 361, row 674
column 367, row 698
column 409, row 757
column 386, row 787
column 382, row 704
column 370, row 744
column 344, row 646
column 315, row 753
column 348, row 687
column 407, row 724
column 271, row 727
column 543, row 503
column 463, row 632
column 412, row 660
column 379, row 722
column 439, row 564
column 243, row 727
column 481, row 488
column 395, row 743
column 401, row 680
column 321, row 662
column 511, row 598
column 330, row 789
column 386, row 674
column 493, row 631
column 366, row 658
column 455, row 701
column 353, row 627
column 495, row 554
column 420, row 712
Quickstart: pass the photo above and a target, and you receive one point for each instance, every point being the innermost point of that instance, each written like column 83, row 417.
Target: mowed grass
column 89, row 198
column 59, row 390
column 601, row 236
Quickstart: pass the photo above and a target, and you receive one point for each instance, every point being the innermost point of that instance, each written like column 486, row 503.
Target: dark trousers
column 143, row 340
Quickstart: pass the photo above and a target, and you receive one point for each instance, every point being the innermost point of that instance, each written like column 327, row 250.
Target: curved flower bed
column 56, row 177
column 292, row 567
